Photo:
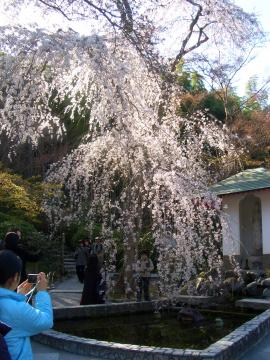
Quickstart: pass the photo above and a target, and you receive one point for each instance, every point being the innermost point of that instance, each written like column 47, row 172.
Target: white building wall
column 264, row 195
column 231, row 244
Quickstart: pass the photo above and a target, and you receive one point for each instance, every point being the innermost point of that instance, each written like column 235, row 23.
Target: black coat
column 13, row 245
column 92, row 279
column 4, row 354
column 90, row 294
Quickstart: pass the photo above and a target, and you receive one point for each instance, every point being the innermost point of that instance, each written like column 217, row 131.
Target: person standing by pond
column 92, row 280
column 144, row 268
column 98, row 249
column 80, row 256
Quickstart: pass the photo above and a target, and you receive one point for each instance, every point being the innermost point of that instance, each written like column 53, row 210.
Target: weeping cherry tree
column 138, row 157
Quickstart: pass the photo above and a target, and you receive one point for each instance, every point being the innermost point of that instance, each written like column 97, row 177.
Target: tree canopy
column 146, row 24
column 137, row 154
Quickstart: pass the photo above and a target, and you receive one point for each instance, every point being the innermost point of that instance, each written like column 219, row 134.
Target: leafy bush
column 19, row 197
column 9, row 223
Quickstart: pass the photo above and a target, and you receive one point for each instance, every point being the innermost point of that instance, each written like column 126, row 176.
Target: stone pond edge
column 232, row 346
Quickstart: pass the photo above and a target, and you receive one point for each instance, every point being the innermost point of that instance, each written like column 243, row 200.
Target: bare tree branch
column 56, row 8
column 202, row 37
column 108, row 15
column 136, row 20
column 253, row 96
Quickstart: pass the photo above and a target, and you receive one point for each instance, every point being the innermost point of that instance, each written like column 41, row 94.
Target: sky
column 259, row 67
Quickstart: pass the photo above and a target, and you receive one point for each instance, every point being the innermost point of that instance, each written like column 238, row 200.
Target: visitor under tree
column 80, row 255
column 92, row 288
column 144, row 268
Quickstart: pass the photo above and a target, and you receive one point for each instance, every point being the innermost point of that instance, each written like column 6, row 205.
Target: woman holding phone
column 24, row 319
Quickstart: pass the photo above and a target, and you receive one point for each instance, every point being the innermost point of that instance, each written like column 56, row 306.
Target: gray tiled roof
column 248, row 180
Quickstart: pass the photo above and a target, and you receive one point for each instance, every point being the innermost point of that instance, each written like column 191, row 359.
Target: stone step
column 69, row 257
column 69, row 261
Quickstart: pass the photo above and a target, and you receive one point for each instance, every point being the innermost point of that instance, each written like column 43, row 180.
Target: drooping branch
column 119, row 171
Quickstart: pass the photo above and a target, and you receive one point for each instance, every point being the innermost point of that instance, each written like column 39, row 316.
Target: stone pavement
column 42, row 352
column 66, row 293
column 260, row 351
column 70, row 283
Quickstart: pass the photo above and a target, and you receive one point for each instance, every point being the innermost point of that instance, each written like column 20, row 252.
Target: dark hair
column 10, row 265
column 11, row 240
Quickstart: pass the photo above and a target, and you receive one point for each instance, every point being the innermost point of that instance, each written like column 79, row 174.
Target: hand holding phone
column 42, row 283
column 24, row 287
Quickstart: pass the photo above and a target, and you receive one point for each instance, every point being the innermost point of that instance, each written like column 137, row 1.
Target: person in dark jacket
column 11, row 242
column 80, row 255
column 92, row 280
column 4, row 329
column 144, row 268
column 98, row 249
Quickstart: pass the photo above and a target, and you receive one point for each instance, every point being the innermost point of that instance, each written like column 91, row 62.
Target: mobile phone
column 32, row 278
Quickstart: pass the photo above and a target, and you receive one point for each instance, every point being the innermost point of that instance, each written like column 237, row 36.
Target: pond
column 160, row 330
